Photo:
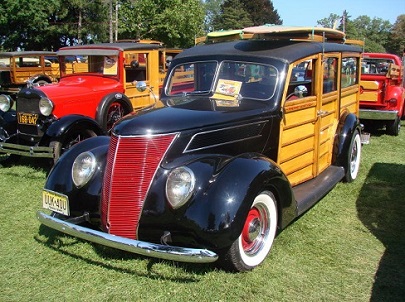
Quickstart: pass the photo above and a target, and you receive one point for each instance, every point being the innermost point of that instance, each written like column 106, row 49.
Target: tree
column 375, row 32
column 176, row 22
column 396, row 40
column 50, row 24
column 262, row 12
column 232, row 16
column 212, row 11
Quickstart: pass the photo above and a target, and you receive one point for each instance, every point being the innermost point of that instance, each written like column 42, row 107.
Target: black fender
column 348, row 123
column 59, row 179
column 40, row 77
column 64, row 125
column 106, row 102
column 8, row 124
column 215, row 216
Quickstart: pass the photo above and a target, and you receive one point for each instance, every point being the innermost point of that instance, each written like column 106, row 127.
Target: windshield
column 227, row 81
column 101, row 64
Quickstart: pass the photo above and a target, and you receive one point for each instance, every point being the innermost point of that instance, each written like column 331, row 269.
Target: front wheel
column 394, row 126
column 71, row 139
column 259, row 231
column 353, row 158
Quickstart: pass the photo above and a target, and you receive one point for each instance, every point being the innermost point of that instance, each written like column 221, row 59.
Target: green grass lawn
column 348, row 247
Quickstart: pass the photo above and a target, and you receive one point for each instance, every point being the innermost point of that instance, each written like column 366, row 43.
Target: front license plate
column 27, row 118
column 55, row 202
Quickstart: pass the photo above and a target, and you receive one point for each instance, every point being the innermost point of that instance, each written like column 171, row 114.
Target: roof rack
column 278, row 32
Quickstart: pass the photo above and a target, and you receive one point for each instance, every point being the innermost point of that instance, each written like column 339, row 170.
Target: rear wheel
column 71, row 139
column 259, row 231
column 353, row 158
column 394, row 126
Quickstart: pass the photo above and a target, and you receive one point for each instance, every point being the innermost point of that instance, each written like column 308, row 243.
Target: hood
column 78, row 86
column 175, row 119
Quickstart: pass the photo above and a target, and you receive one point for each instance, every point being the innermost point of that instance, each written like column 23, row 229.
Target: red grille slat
column 131, row 165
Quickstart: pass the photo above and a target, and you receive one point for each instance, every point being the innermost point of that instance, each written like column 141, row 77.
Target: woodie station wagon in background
column 19, row 67
column 240, row 149
column 97, row 87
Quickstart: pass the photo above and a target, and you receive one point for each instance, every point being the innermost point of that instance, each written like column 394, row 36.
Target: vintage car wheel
column 259, row 231
column 353, row 158
column 115, row 111
column 61, row 146
column 394, row 126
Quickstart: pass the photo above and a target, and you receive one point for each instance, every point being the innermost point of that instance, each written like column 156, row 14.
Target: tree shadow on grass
column 381, row 208
column 60, row 243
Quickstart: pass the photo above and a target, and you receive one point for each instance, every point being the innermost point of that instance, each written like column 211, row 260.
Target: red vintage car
column 96, row 89
column 382, row 94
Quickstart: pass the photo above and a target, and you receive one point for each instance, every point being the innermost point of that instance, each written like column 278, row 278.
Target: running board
column 311, row 191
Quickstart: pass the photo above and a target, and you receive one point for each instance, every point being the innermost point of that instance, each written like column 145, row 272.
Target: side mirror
column 140, row 85
column 300, row 91
column 134, row 64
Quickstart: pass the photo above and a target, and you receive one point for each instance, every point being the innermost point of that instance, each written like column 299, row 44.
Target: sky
column 308, row 12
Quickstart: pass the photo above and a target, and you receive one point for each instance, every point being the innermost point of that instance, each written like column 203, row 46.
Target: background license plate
column 27, row 118
column 55, row 202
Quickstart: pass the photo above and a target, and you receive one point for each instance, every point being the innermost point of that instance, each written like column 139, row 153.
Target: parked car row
column 97, row 87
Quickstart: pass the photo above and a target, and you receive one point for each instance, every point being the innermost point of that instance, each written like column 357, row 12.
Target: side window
column 330, row 75
column 349, row 71
column 302, row 79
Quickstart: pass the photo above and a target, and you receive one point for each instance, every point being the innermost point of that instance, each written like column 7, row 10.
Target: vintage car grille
column 29, row 104
column 131, row 164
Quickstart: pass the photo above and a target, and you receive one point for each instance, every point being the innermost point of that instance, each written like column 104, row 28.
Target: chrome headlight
column 6, row 102
column 83, row 168
column 45, row 106
column 179, row 186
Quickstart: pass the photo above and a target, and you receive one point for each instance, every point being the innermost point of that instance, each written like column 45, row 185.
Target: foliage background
column 51, row 24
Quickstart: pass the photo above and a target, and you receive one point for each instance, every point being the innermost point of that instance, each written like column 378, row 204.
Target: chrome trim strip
column 32, row 151
column 186, row 149
column 370, row 114
column 174, row 253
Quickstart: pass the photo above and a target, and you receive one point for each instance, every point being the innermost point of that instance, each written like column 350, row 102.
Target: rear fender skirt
column 347, row 125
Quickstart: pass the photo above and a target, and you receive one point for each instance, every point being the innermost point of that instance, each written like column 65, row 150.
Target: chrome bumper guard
column 31, row 151
column 174, row 253
column 370, row 114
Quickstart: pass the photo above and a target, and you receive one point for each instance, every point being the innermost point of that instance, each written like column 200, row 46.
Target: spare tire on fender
column 111, row 109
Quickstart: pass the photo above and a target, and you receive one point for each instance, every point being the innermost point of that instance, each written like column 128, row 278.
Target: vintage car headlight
column 6, row 102
column 45, row 106
column 83, row 168
column 179, row 186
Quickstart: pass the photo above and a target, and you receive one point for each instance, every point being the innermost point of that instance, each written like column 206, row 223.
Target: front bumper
column 161, row 251
column 31, row 151
column 371, row 114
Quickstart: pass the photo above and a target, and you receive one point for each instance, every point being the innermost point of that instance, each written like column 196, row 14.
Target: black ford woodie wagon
column 240, row 149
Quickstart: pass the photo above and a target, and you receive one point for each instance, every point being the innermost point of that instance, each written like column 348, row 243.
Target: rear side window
column 350, row 71
column 330, row 74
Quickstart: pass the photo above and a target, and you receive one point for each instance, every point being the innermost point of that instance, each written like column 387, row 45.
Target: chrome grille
column 131, row 165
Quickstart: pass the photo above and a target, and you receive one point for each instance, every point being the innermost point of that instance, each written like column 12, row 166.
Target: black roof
column 287, row 51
